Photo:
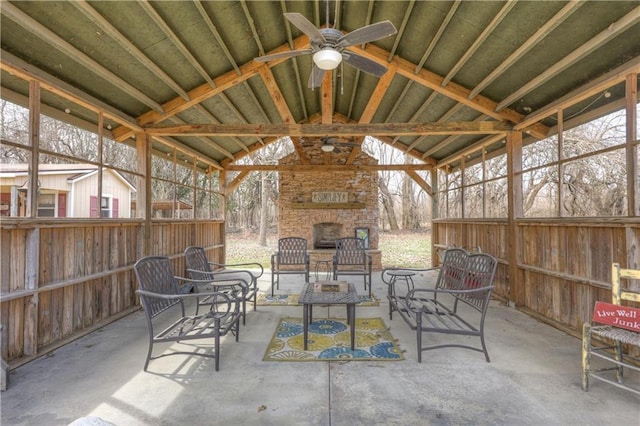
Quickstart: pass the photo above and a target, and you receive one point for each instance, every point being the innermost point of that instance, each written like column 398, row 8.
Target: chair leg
column 146, row 363
column 419, row 336
column 586, row 355
column 217, row 354
column 484, row 346
column 619, row 368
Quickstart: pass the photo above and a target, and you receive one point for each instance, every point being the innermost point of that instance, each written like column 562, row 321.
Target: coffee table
column 312, row 294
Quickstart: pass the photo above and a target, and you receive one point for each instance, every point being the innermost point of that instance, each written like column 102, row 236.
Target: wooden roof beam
column 336, row 129
column 452, row 90
column 206, row 91
column 596, row 42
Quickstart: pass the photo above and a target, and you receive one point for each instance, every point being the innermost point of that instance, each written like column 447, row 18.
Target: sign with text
column 617, row 316
column 330, row 197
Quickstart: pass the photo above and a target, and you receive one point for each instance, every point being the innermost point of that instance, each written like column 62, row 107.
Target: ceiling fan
column 331, row 144
column 328, row 46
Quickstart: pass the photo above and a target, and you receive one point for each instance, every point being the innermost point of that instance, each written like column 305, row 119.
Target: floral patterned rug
column 265, row 299
column 330, row 340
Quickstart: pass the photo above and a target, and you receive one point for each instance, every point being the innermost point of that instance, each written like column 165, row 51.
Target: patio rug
column 265, row 299
column 329, row 340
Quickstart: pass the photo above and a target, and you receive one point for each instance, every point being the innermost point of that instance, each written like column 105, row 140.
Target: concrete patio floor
column 534, row 378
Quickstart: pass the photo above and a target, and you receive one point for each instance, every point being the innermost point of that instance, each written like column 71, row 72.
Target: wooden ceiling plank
column 420, row 110
column 34, row 27
column 372, row 106
column 594, row 87
column 437, row 36
column 479, row 40
column 489, row 140
column 252, row 25
column 539, row 35
column 211, row 118
column 599, row 40
column 282, row 107
column 168, row 31
column 401, row 30
column 335, row 129
column 448, row 140
column 452, row 90
column 127, row 45
column 170, row 142
column 216, row 34
column 16, row 66
column 450, row 113
column 205, row 91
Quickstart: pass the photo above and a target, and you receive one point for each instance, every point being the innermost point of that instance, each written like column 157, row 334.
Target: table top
column 401, row 273
column 309, row 296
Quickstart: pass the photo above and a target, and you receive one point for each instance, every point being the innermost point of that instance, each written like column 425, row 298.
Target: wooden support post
column 143, row 195
column 631, row 97
column 561, row 210
column 435, row 193
column 100, row 132
column 514, row 182
column 34, row 140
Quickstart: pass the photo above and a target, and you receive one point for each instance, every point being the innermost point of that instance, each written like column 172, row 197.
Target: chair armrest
column 215, row 280
column 436, row 291
column 240, row 265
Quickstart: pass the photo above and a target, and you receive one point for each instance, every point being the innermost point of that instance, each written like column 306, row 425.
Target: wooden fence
column 62, row 279
column 557, row 268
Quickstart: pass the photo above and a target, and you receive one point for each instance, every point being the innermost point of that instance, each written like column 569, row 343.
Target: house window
column 105, row 206
column 46, row 205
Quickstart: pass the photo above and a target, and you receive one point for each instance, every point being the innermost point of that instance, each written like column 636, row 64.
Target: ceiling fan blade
column 316, row 77
column 304, row 25
column 364, row 64
column 280, row 55
column 366, row 34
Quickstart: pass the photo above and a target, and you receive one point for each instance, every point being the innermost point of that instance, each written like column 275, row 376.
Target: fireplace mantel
column 328, row 205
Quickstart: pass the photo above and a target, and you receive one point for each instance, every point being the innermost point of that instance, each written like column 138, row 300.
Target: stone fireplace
column 322, row 206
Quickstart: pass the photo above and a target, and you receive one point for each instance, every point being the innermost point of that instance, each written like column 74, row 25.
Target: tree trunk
column 387, row 203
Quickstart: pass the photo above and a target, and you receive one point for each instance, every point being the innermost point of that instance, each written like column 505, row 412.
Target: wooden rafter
column 20, row 18
column 452, row 90
column 599, row 40
column 332, row 167
column 539, row 35
column 336, row 129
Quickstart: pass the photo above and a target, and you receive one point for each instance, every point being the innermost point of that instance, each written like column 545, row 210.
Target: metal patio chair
column 351, row 258
column 163, row 300
column 243, row 281
column 292, row 257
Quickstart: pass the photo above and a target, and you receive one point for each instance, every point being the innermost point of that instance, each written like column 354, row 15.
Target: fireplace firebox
column 325, row 235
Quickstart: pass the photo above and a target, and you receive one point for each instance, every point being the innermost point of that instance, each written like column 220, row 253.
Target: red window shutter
column 114, row 207
column 93, row 206
column 62, row 205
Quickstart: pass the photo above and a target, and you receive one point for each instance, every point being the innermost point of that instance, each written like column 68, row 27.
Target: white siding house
column 66, row 190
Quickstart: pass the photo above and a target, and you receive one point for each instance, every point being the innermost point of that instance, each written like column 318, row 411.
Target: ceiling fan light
column 327, row 59
column 326, row 147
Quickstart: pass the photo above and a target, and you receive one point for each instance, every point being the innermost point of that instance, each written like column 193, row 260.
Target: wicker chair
column 242, row 281
column 351, row 258
column 292, row 257
column 162, row 297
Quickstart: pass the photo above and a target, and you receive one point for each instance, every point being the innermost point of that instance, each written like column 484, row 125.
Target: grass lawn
column 399, row 248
